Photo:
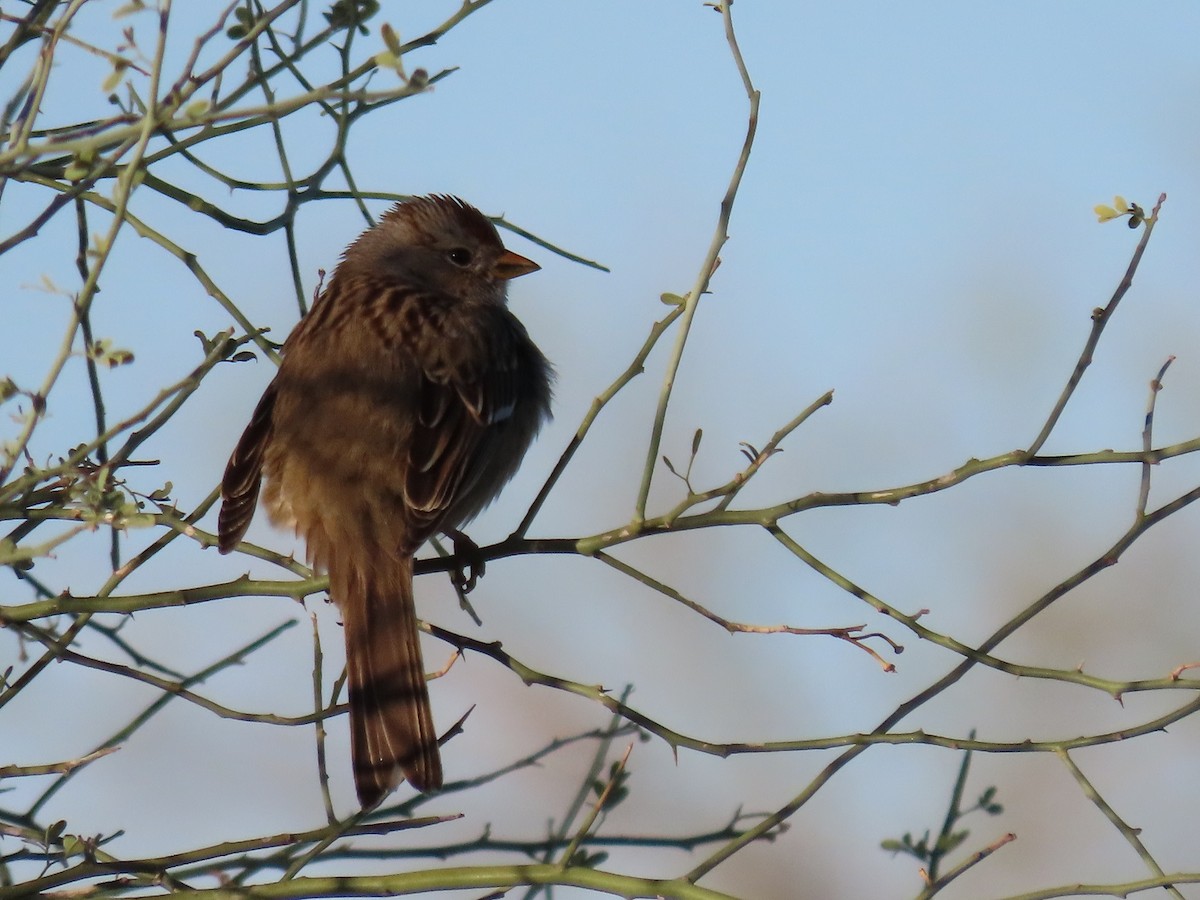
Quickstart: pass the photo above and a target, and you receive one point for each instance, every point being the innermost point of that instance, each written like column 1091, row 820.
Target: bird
column 404, row 401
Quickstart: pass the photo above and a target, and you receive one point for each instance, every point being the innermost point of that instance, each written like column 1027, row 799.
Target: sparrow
column 405, row 400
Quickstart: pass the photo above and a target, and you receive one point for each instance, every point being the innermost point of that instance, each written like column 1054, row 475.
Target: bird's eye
column 460, row 256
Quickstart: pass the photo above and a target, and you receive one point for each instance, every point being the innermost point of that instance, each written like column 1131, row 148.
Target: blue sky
column 914, row 231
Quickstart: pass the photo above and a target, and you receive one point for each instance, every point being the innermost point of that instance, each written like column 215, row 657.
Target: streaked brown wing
column 243, row 475
column 469, row 389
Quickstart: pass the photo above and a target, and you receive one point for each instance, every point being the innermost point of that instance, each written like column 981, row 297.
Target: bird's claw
column 469, row 564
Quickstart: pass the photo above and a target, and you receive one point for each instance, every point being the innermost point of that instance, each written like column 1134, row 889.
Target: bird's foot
column 469, row 564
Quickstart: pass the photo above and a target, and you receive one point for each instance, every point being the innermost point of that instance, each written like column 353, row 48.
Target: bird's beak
column 513, row 265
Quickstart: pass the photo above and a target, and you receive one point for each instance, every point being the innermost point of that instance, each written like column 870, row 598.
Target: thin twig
column 1101, row 316
column 1148, row 438
column 1126, row 831
column 707, row 268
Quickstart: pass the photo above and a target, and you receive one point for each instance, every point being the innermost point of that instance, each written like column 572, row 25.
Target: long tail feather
column 391, row 725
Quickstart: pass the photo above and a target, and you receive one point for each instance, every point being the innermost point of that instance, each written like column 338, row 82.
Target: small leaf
column 76, row 170
column 114, row 77
column 162, row 493
column 387, row 60
column 616, row 796
column 219, row 341
column 667, row 462
column 244, row 24
column 135, row 6
column 952, row 840
column 104, row 353
column 54, row 832
column 696, row 440
column 672, row 299
column 584, row 860
column 349, row 13
column 390, row 38
column 196, row 109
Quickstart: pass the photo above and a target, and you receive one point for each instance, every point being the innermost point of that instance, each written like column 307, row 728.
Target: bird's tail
column 391, row 725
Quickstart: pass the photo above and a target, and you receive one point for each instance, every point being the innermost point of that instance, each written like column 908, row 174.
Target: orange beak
column 513, row 265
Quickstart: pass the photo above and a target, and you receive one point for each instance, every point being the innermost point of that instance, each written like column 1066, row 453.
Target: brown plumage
column 405, row 400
